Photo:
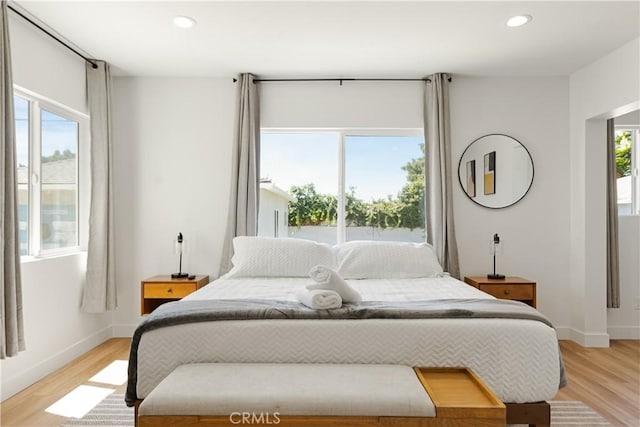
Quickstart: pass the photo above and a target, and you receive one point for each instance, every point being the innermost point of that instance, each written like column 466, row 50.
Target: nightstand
column 514, row 288
column 160, row 289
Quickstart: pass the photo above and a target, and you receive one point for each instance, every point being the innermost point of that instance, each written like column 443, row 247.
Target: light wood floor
column 26, row 409
column 606, row 379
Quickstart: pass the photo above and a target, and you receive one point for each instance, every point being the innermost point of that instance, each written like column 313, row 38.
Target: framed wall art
column 490, row 173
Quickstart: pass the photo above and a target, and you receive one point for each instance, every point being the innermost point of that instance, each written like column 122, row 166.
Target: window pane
column 21, row 108
column 58, row 181
column 299, row 182
column 623, row 170
column 384, row 179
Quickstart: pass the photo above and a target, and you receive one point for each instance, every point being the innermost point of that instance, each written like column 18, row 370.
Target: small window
column 627, row 164
column 47, row 141
column 338, row 186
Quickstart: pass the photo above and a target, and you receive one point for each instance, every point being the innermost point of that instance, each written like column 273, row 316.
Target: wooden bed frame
column 532, row 414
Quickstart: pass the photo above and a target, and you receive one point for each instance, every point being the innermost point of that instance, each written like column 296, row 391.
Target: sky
column 373, row 164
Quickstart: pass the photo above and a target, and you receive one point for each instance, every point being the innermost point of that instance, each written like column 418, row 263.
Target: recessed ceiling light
column 184, row 22
column 518, row 20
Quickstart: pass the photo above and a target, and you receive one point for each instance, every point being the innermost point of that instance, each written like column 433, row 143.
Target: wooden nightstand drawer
column 158, row 290
column 518, row 292
column 511, row 287
column 178, row 290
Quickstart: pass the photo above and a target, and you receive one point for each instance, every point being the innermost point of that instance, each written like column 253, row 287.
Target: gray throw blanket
column 194, row 311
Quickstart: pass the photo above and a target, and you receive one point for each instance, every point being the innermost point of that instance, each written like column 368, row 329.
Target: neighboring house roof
column 58, row 172
column 274, row 189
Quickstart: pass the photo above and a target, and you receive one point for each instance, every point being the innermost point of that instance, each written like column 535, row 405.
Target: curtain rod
column 347, row 79
column 26, row 18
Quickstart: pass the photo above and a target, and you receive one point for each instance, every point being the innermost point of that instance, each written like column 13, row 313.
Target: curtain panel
column 438, row 183
column 12, row 328
column 613, row 269
column 245, row 169
column 100, row 294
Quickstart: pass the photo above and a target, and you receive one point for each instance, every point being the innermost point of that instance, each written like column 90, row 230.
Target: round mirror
column 495, row 171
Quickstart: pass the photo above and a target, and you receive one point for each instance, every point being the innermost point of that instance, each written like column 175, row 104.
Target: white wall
column 271, row 202
column 42, row 65
column 172, row 155
column 534, row 111
column 329, row 234
column 600, row 91
column 352, row 105
column 632, row 119
column 55, row 330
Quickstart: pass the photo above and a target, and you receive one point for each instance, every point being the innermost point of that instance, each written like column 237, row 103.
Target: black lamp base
column 495, row 276
column 179, row 275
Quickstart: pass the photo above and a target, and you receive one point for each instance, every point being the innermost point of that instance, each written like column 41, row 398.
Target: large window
column 47, row 140
column 627, row 165
column 336, row 186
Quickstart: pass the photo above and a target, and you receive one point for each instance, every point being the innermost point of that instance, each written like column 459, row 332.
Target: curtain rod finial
column 235, row 80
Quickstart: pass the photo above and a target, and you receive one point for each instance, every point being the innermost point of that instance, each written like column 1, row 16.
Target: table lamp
column 496, row 245
column 178, row 250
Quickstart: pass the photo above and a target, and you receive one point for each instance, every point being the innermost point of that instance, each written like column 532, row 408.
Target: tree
column 66, row 154
column 384, row 213
column 411, row 199
column 412, row 194
column 311, row 208
column 356, row 209
column 415, row 167
column 405, row 210
column 623, row 154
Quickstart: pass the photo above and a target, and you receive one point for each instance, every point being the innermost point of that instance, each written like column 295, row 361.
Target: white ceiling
column 356, row 39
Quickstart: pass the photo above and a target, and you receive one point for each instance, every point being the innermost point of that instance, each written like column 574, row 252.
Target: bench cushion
column 290, row 389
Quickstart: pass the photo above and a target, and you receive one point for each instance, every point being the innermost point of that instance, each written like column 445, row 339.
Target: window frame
column 635, row 166
column 37, row 103
column 343, row 133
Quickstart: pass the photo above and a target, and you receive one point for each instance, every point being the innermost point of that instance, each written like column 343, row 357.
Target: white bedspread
column 518, row 359
column 369, row 289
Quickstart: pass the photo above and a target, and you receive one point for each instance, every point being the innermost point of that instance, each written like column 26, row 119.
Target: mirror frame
column 533, row 171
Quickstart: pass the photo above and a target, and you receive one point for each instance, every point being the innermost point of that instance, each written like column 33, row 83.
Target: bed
column 518, row 358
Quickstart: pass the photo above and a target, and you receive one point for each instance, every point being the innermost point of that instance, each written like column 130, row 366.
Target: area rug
column 574, row 413
column 113, row 412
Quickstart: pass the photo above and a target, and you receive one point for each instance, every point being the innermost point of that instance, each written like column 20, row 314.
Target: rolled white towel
column 328, row 279
column 321, row 273
column 319, row 299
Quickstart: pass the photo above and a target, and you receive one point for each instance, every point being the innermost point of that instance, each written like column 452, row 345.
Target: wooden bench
column 320, row 395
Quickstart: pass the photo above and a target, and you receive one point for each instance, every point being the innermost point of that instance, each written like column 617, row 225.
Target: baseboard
column 582, row 338
column 35, row 373
column 123, row 331
column 624, row 332
column 564, row 333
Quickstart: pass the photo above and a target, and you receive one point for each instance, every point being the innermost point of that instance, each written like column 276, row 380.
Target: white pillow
column 387, row 260
column 278, row 257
